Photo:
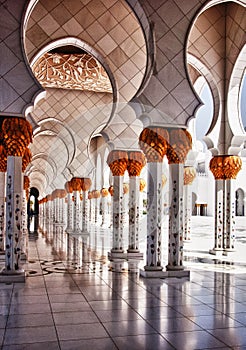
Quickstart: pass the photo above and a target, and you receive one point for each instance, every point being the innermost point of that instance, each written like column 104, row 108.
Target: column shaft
column 175, row 245
column 13, row 213
column 154, row 210
column 133, row 240
column 117, row 215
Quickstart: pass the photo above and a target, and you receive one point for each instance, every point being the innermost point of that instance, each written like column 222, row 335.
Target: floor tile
column 74, row 317
column 117, row 315
column 33, row 346
column 123, row 328
column 81, row 331
column 192, row 340
column 30, row 320
column 232, row 337
column 84, row 344
column 30, row 335
column 142, row 342
column 75, row 306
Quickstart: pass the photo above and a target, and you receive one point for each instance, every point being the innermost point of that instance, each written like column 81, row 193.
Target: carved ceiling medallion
column 71, row 71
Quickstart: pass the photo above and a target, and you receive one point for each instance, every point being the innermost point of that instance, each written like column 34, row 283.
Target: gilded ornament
column 225, row 167
column 117, row 161
column 180, row 143
column 76, row 183
column 111, row 190
column 85, row 183
column 189, row 175
column 17, row 135
column 142, row 185
column 136, row 162
column 154, row 143
column 68, row 187
column 104, row 192
column 125, row 188
column 3, row 159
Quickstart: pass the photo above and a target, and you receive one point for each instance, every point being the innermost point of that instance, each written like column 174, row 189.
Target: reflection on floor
column 73, row 300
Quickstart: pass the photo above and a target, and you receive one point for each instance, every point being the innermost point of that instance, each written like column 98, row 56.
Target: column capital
column 136, row 162
column 180, row 143
column 153, row 141
column 117, row 161
column 3, row 159
column 68, row 187
column 189, row 175
column 76, row 183
column 17, row 135
column 85, row 183
column 26, row 158
column 104, row 192
column 225, row 167
column 96, row 194
column 111, row 190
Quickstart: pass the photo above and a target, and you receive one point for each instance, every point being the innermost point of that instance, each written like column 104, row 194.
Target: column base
column 174, row 268
column 134, row 255
column 117, row 265
column 165, row 274
column 216, row 251
column 115, row 255
column 68, row 230
column 12, row 276
column 229, row 251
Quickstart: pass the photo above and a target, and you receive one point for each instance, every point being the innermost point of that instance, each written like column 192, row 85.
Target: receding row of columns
column 155, row 143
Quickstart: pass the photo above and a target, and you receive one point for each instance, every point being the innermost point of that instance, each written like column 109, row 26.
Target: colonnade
column 75, row 206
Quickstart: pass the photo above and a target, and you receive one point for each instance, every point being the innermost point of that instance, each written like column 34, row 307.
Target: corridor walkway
column 74, row 301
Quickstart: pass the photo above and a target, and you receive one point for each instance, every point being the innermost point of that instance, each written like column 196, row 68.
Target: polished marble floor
column 73, row 300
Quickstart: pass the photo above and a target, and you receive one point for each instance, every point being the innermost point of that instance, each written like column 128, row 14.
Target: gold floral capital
column 104, row 192
column 3, row 159
column 180, row 143
column 117, row 161
column 111, row 190
column 17, row 135
column 225, row 167
column 136, row 162
column 76, row 183
column 85, row 183
column 154, row 143
column 189, row 175
column 68, row 187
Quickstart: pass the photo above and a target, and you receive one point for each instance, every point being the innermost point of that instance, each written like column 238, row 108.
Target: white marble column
column 154, row 217
column 225, row 169
column 2, row 211
column 14, row 189
column 219, row 217
column 189, row 176
column 69, row 189
column 230, row 199
column 175, row 244
column 85, row 212
column 105, row 212
column 117, row 207
column 134, row 213
column 76, row 184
